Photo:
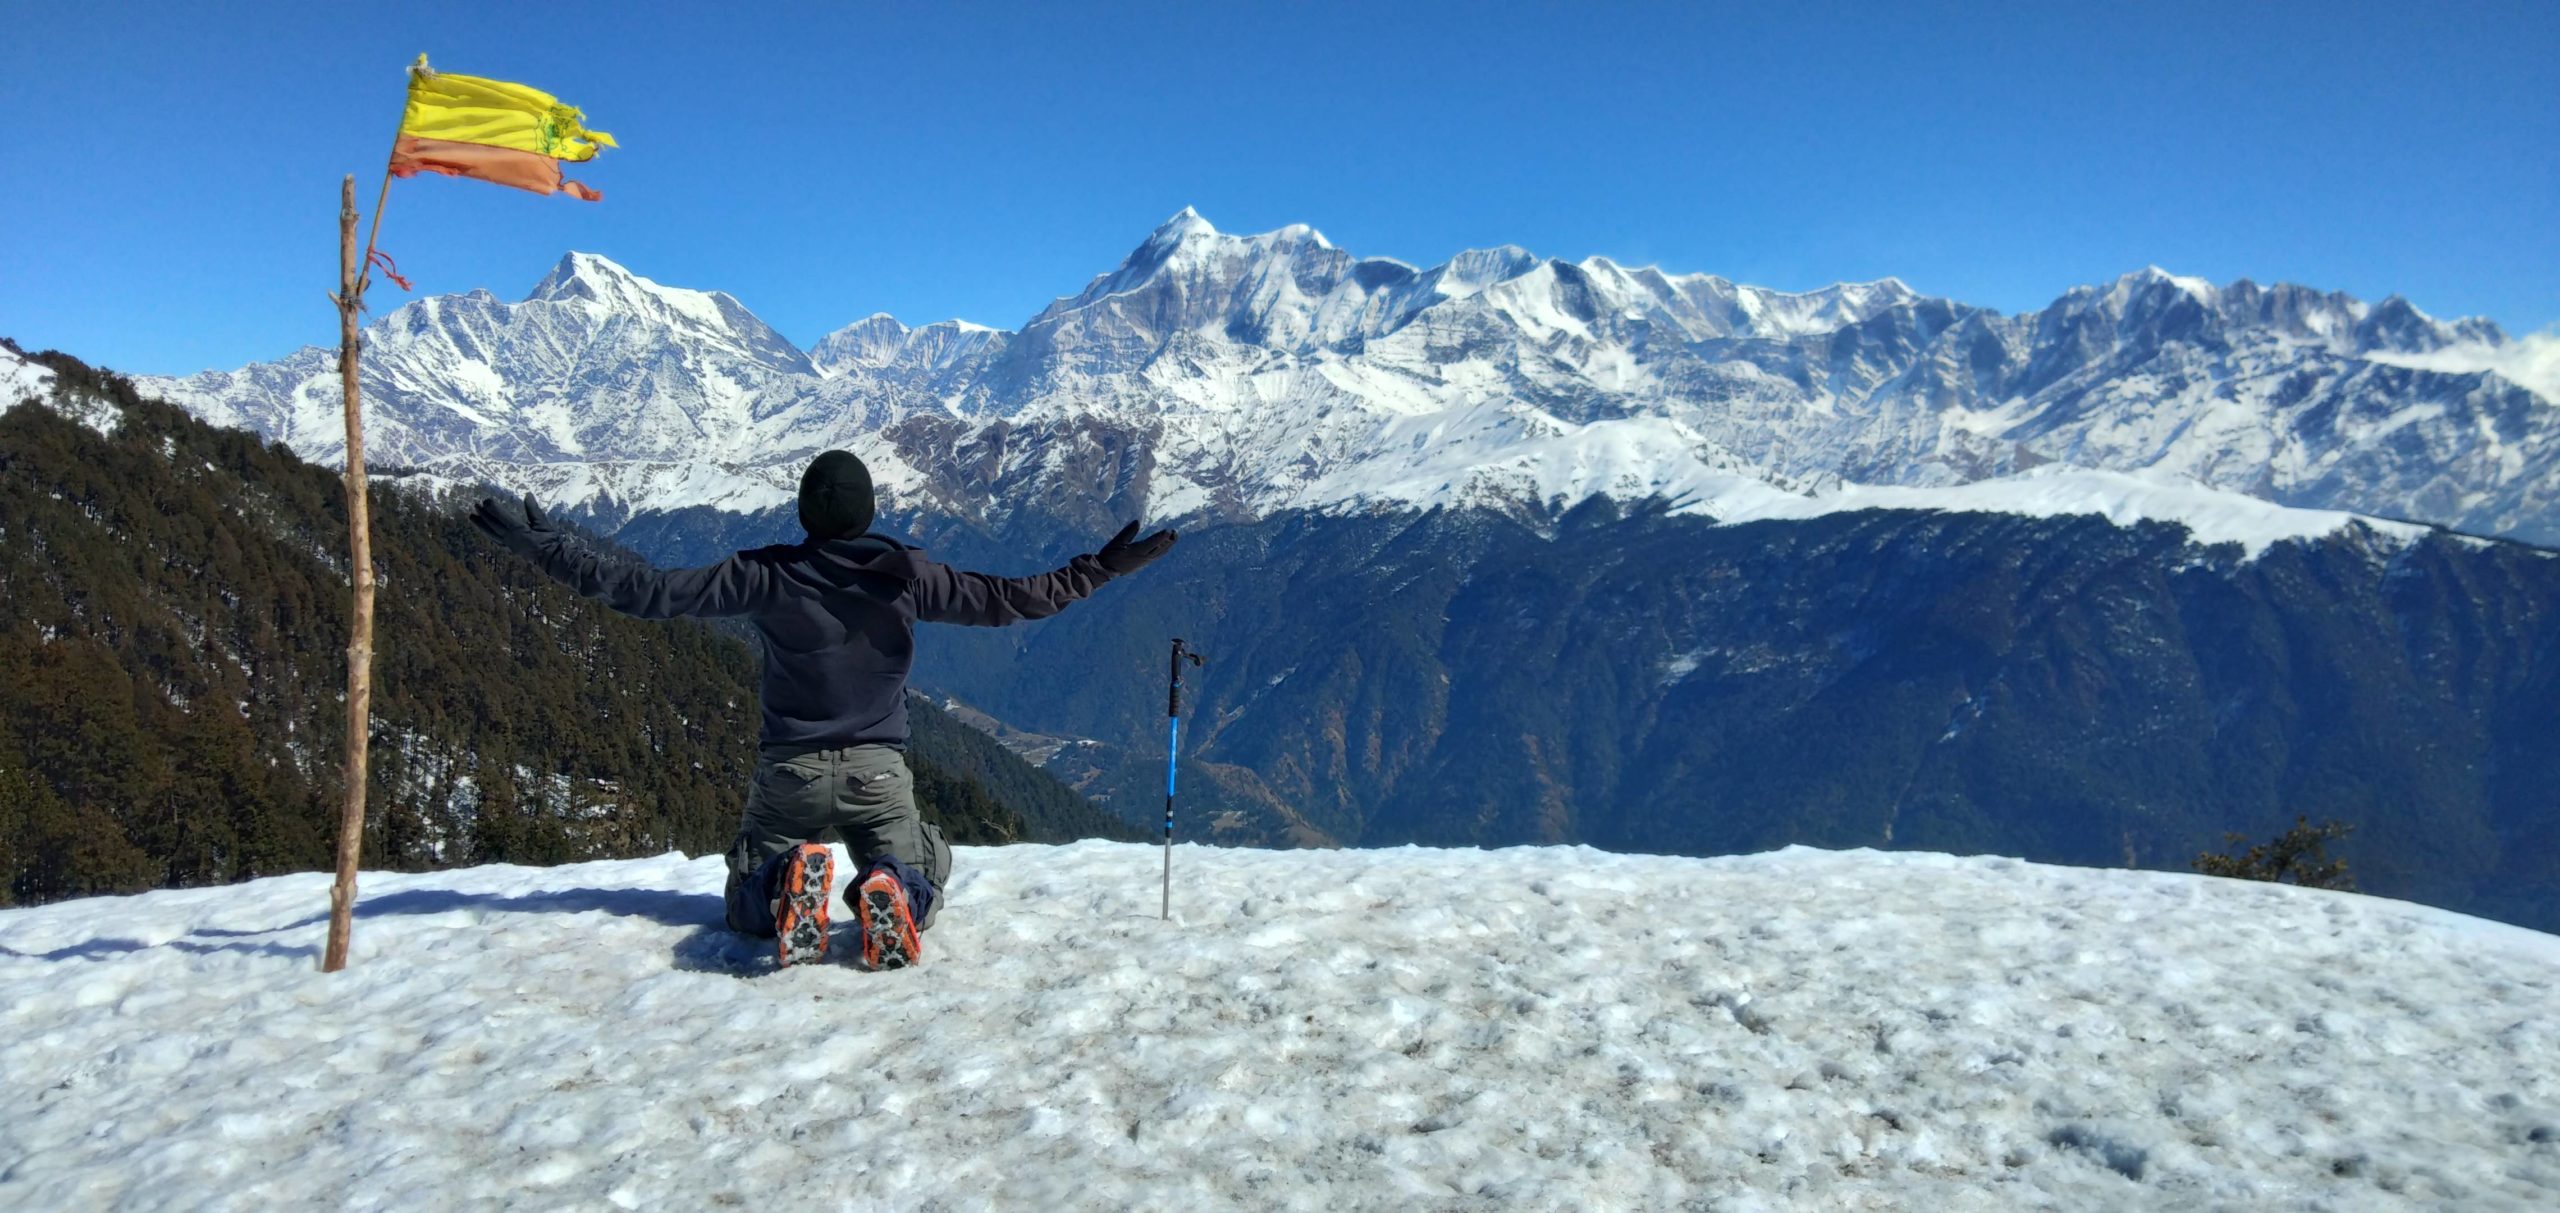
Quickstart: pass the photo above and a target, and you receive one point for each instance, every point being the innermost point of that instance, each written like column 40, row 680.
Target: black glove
column 520, row 528
column 1120, row 557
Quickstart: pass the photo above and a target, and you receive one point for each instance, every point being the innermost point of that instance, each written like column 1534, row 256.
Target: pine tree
column 2297, row 856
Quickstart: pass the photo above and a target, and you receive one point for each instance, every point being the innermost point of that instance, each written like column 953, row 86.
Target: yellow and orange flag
column 490, row 130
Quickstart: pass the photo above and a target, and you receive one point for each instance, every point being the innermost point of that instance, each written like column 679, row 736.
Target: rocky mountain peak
column 1185, row 224
column 590, row 276
column 874, row 340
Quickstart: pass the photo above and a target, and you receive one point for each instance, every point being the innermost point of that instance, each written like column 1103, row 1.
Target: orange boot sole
column 888, row 926
column 800, row 923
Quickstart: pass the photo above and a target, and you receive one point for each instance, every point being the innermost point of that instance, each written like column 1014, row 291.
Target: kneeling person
column 837, row 615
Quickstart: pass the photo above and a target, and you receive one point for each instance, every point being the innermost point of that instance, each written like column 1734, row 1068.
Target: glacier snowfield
column 1535, row 1028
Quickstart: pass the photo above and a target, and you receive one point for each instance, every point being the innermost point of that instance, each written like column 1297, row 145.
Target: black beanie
column 835, row 496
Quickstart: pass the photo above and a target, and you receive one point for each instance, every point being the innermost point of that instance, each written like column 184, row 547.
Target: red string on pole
column 390, row 268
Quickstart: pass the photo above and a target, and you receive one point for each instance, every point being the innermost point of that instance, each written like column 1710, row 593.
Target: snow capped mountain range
column 1234, row 376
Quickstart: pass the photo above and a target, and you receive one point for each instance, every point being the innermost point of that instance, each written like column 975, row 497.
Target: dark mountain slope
column 2061, row 689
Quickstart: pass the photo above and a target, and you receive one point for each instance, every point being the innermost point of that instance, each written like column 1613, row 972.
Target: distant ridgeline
column 172, row 669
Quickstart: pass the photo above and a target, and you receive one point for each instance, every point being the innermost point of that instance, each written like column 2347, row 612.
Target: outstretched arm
column 947, row 595
column 732, row 587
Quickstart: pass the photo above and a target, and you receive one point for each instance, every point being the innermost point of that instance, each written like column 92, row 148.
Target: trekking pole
column 1173, row 751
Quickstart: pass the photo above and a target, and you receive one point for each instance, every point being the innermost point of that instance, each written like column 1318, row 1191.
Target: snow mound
column 1535, row 1028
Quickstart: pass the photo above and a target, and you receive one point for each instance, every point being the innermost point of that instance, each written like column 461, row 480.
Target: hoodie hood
column 849, row 562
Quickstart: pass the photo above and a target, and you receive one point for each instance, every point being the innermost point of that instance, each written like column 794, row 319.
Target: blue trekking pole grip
column 1172, row 753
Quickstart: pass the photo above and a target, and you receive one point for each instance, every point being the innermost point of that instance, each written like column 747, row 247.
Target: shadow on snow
column 711, row 948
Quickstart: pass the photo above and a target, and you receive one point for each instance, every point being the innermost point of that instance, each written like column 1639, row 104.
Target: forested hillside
column 172, row 631
column 2064, row 690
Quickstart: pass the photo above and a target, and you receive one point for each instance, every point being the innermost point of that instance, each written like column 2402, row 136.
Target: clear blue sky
column 171, row 170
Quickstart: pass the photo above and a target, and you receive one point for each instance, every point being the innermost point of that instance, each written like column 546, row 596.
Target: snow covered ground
column 1407, row 1029
column 20, row 379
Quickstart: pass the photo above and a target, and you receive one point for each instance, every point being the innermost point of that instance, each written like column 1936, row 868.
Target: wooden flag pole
column 354, row 274
column 350, row 300
column 355, row 271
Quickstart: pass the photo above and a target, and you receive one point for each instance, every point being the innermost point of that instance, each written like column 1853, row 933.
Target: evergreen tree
column 2297, row 856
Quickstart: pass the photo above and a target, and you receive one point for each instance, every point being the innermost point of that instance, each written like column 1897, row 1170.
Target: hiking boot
column 887, row 922
column 800, row 906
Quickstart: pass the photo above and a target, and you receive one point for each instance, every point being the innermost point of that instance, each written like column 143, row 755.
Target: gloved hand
column 1121, row 557
column 520, row 528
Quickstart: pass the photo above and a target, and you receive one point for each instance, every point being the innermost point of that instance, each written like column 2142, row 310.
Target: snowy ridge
column 2210, row 516
column 25, row 382
column 1254, row 373
column 1557, row 464
column 2532, row 361
column 21, row 380
column 600, row 385
column 1528, row 1028
column 709, row 316
column 880, row 343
